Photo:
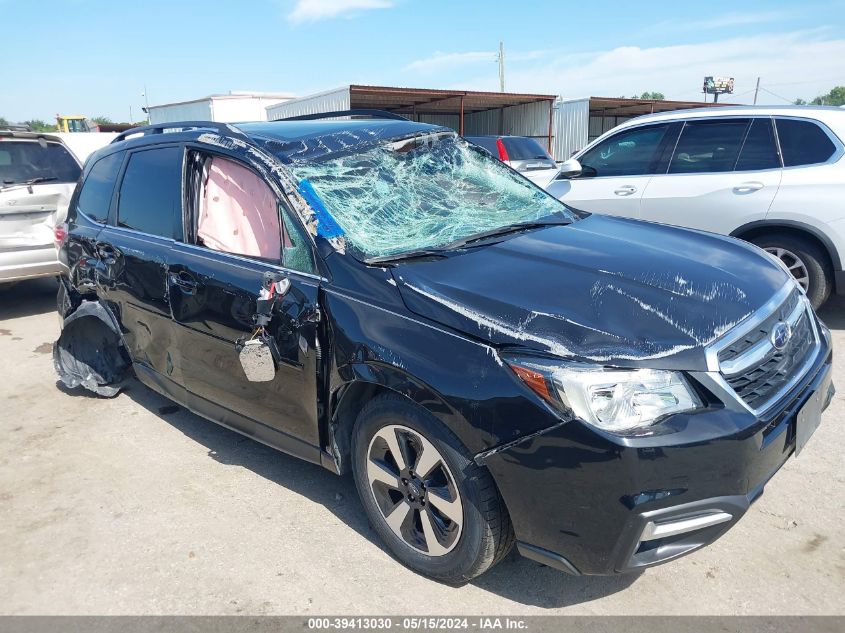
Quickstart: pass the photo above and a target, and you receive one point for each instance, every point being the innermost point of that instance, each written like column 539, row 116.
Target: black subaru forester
column 380, row 297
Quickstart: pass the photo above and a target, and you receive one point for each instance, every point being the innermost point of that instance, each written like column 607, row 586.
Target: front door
column 214, row 282
column 615, row 172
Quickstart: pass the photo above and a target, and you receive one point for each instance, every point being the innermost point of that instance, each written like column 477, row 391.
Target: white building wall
column 329, row 101
column 242, row 109
column 572, row 123
column 530, row 119
column 192, row 111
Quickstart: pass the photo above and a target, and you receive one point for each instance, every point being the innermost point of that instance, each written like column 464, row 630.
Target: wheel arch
column 368, row 381
column 79, row 365
column 751, row 230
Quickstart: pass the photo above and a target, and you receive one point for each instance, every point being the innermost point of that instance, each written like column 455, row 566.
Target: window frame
column 837, row 143
column 190, row 216
column 74, row 202
column 657, row 159
column 714, row 120
column 113, row 211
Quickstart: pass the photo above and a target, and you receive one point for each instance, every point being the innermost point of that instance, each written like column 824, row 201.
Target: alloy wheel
column 794, row 263
column 414, row 490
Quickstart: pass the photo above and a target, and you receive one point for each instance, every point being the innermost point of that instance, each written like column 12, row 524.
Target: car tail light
column 503, row 152
column 60, row 234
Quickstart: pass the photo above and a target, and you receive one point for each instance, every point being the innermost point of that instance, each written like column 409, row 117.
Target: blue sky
column 94, row 56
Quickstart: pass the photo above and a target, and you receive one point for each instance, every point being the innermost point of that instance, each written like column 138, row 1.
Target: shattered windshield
column 419, row 193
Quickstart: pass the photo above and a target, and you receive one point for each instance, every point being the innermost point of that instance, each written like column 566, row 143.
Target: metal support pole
column 756, row 90
column 461, row 126
column 551, row 124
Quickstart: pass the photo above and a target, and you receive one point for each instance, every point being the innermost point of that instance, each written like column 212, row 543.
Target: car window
column 21, row 161
column 485, row 142
column 296, row 253
column 708, row 146
column 803, row 143
column 521, row 148
column 151, row 193
column 238, row 211
column 760, row 149
column 96, row 192
column 629, row 153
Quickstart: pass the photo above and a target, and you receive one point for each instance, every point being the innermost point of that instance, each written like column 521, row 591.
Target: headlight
column 611, row 399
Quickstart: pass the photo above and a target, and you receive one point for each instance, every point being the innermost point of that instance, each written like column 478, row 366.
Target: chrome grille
column 755, row 369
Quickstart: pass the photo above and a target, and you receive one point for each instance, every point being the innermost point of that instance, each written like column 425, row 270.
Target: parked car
column 524, row 154
column 385, row 299
column 37, row 177
column 770, row 175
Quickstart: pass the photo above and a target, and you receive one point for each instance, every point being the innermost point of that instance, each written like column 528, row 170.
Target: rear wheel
column 436, row 510
column 807, row 262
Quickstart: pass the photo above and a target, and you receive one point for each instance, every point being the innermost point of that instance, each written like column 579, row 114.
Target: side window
column 297, row 254
column 803, row 143
column 708, row 146
column 760, row 149
column 629, row 153
column 151, row 193
column 238, row 212
column 96, row 192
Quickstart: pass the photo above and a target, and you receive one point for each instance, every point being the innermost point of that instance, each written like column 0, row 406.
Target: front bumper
column 591, row 503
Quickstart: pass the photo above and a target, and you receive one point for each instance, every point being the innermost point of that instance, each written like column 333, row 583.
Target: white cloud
column 798, row 64
column 724, row 21
column 443, row 61
column 314, row 10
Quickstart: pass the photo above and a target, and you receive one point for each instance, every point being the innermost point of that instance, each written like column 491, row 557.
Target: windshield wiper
column 9, row 184
column 502, row 230
column 413, row 254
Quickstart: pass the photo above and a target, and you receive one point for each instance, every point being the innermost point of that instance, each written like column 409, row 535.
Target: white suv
column 37, row 177
column 771, row 175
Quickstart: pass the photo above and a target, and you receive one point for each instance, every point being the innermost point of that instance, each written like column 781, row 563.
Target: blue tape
column 326, row 225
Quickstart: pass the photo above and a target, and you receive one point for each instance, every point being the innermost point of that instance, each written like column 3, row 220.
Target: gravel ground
column 136, row 506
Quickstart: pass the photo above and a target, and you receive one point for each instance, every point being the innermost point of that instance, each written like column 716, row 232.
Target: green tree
column 102, row 120
column 40, row 126
column 657, row 96
column 836, row 97
column 799, row 102
column 3, row 121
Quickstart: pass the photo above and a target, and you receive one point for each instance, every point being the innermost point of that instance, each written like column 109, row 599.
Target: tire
column 802, row 256
column 461, row 549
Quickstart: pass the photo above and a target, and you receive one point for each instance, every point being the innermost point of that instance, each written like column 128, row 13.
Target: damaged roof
column 294, row 141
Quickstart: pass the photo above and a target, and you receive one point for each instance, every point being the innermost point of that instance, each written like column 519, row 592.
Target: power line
column 774, row 94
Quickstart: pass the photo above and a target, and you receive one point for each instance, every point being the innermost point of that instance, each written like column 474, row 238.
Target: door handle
column 184, row 282
column 748, row 187
column 627, row 190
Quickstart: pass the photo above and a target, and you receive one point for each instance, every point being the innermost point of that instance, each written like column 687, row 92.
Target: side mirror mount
column 570, row 168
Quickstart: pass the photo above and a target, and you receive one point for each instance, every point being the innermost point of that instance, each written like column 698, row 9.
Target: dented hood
column 609, row 290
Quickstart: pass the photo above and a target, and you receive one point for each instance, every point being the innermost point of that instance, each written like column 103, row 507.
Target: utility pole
column 130, row 114
column 756, row 90
column 146, row 103
column 501, row 66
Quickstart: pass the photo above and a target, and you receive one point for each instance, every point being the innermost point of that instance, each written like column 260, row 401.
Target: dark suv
column 383, row 298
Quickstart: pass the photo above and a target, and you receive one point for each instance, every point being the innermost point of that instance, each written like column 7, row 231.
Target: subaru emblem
column 780, row 335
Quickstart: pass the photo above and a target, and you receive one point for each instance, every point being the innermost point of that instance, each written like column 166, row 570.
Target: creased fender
column 358, row 380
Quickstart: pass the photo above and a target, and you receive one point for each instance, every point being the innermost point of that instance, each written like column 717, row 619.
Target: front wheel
column 805, row 260
column 436, row 510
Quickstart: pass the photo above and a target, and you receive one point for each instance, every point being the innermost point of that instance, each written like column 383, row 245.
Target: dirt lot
column 135, row 506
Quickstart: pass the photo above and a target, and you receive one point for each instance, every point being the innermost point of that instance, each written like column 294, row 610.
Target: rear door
column 236, row 222
column 132, row 254
column 723, row 173
column 615, row 171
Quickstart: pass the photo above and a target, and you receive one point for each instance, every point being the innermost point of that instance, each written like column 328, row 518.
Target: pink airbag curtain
column 238, row 212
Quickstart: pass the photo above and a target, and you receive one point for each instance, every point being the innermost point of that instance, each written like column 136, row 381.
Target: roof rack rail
column 373, row 114
column 16, row 127
column 159, row 128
